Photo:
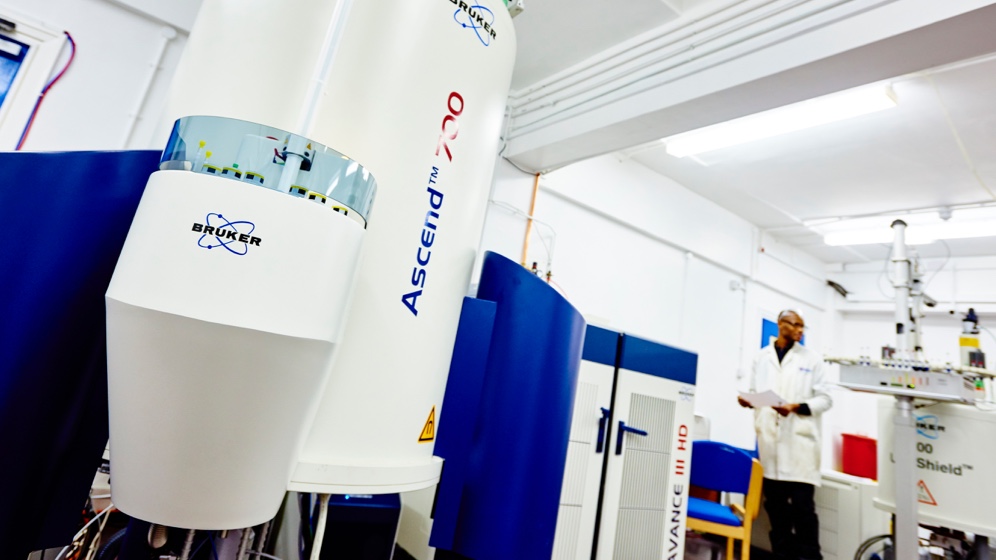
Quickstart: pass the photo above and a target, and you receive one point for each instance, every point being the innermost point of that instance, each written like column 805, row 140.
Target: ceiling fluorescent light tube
column 782, row 120
column 960, row 230
column 920, row 234
column 873, row 236
column 857, row 237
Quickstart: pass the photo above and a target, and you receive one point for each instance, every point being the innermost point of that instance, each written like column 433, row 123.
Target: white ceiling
column 904, row 159
column 554, row 35
column 937, row 148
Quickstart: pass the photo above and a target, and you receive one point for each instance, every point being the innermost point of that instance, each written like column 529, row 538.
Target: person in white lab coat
column 788, row 437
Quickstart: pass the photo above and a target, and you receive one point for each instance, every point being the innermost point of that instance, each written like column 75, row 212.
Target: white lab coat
column 789, row 447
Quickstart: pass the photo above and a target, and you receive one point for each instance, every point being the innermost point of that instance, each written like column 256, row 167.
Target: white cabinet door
column 646, row 482
column 583, row 470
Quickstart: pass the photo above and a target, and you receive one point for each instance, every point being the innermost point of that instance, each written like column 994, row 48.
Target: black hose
column 112, row 547
column 868, row 544
column 307, row 533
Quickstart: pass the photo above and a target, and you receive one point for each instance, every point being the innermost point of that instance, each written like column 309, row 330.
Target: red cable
column 41, row 96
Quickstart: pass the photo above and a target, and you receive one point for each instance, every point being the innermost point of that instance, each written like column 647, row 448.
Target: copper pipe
column 529, row 220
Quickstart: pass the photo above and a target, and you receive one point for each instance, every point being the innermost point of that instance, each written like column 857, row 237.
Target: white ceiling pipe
column 639, row 64
column 587, row 97
column 166, row 35
column 646, row 43
column 901, row 282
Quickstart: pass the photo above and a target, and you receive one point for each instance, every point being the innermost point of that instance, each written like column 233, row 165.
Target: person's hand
column 743, row 402
column 786, row 409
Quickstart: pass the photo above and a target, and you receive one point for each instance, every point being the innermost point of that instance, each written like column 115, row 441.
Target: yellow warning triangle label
column 923, row 494
column 429, row 430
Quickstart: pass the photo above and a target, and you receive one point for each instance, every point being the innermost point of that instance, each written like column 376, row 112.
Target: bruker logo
column 479, row 19
column 234, row 236
column 929, row 426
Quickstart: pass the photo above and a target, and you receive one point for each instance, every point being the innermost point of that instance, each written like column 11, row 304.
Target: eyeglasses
column 800, row 326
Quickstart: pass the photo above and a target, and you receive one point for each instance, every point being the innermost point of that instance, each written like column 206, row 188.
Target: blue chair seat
column 726, row 469
column 711, row 511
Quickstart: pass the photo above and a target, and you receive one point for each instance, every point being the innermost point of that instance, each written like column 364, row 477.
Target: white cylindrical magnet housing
column 418, row 93
column 222, row 317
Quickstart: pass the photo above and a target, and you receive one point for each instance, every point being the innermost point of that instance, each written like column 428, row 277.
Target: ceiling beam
column 895, row 38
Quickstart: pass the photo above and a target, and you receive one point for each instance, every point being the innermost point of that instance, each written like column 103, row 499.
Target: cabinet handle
column 602, row 422
column 623, row 430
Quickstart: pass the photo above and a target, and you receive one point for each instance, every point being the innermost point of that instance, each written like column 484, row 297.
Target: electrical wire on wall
column 885, row 274
column 548, row 273
column 44, row 91
column 947, row 259
column 529, row 219
column 926, row 284
column 548, row 245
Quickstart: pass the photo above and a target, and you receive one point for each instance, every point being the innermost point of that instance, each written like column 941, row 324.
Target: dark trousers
column 795, row 529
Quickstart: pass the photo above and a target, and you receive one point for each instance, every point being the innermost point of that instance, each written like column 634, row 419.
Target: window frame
column 45, row 45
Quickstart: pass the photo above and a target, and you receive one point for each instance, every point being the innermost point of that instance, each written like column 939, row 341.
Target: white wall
column 94, row 104
column 638, row 252
column 864, row 323
column 956, row 284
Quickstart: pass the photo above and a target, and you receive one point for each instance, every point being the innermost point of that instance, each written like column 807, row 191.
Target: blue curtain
column 506, row 418
column 63, row 220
